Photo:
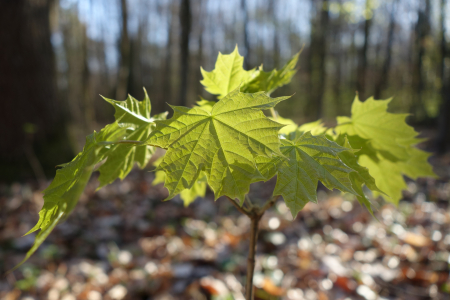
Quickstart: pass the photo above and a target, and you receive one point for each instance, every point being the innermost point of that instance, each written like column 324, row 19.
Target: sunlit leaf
column 290, row 125
column 63, row 193
column 316, row 127
column 360, row 176
column 187, row 195
column 387, row 145
column 222, row 142
column 228, row 74
column 270, row 81
column 370, row 120
column 134, row 116
column 117, row 143
column 310, row 159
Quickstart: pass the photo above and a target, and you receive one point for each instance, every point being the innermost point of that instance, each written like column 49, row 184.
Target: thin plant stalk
column 255, row 214
column 251, row 256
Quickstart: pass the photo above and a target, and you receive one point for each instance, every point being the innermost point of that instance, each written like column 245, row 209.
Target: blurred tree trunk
column 135, row 82
column 185, row 23
column 200, row 22
column 246, row 33
column 89, row 108
column 28, row 89
column 77, row 74
column 124, row 65
column 443, row 138
column 160, row 105
column 316, row 61
column 422, row 31
column 362, row 57
column 337, row 54
column 384, row 74
column 276, row 38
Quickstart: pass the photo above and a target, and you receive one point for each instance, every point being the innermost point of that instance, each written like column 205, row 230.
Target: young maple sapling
column 230, row 143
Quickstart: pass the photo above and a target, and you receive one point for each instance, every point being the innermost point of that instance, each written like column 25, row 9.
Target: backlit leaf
column 385, row 131
column 270, row 81
column 227, row 75
column 310, row 159
column 117, row 144
column 387, row 145
column 63, row 193
column 187, row 195
column 222, row 142
column 134, row 116
column 360, row 176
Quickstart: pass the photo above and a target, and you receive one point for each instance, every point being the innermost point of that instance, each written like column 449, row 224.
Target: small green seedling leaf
column 385, row 131
column 222, row 142
column 270, row 81
column 134, row 116
column 387, row 145
column 360, row 176
column 310, row 159
column 227, row 75
column 118, row 143
column 63, row 193
column 188, row 195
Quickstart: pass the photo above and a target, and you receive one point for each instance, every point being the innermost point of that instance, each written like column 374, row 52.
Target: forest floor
column 123, row 242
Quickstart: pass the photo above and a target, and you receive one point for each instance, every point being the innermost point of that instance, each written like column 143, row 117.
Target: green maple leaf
column 310, row 159
column 316, row 127
column 290, row 125
column 388, row 175
column 292, row 129
column 197, row 190
column 133, row 122
column 63, row 193
column 360, row 176
column 417, row 165
column 386, row 131
column 205, row 104
column 133, row 115
column 187, row 195
column 227, row 75
column 270, row 81
column 389, row 172
column 387, row 145
column 222, row 142
column 132, row 112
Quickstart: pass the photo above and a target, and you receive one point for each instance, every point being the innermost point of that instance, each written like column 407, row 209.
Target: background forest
column 57, row 56
column 124, row 243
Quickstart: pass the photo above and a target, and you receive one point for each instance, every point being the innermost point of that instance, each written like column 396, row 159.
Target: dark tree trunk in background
column 337, row 54
column 124, row 65
column 276, row 38
column 200, row 88
column 77, row 75
column 443, row 138
column 384, row 74
column 362, row 59
column 316, row 61
column 200, row 16
column 28, row 88
column 135, row 82
column 246, row 33
column 422, row 31
column 185, row 23
column 89, row 108
column 160, row 105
